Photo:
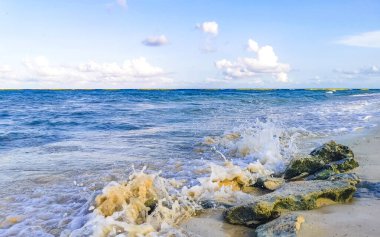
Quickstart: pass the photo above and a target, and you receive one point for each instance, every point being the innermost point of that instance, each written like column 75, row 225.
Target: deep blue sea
column 58, row 147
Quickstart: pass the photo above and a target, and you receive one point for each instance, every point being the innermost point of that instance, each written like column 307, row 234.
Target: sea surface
column 59, row 148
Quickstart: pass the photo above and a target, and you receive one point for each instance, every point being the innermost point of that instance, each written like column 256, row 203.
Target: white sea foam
column 150, row 205
column 366, row 94
column 367, row 117
column 145, row 205
column 271, row 145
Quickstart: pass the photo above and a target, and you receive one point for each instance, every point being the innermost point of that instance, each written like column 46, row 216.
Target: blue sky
column 189, row 44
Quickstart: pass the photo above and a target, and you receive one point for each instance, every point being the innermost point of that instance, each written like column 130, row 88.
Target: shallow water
column 58, row 148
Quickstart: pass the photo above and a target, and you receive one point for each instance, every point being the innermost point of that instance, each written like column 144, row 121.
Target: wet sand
column 361, row 216
column 211, row 224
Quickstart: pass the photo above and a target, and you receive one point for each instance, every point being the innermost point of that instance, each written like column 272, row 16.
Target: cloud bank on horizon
column 99, row 48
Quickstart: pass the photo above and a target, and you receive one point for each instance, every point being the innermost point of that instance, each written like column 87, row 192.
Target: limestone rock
column 284, row 226
column 298, row 195
column 306, row 166
column 331, row 151
column 350, row 177
column 334, row 168
column 343, row 165
column 329, row 159
column 270, row 183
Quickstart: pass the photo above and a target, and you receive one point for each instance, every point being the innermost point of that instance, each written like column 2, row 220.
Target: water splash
column 265, row 142
column 145, row 205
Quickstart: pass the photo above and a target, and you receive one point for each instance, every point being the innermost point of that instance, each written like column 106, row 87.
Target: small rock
column 208, row 204
column 270, row 183
column 284, row 226
column 151, row 203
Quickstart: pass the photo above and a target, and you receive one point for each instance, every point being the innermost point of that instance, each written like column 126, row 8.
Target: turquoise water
column 59, row 147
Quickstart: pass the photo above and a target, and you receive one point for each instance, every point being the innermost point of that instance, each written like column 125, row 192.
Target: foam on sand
column 145, row 205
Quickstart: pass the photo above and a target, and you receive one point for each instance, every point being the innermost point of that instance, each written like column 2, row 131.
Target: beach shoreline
column 357, row 218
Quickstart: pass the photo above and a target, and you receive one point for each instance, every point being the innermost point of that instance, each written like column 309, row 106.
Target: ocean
column 61, row 148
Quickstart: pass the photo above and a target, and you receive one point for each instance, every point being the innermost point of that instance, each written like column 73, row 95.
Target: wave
column 366, row 95
column 151, row 205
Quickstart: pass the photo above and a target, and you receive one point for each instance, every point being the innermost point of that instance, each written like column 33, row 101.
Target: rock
column 208, row 204
column 298, row 195
column 331, row 151
column 284, row 226
column 270, row 183
column 324, row 161
column 334, row 168
column 152, row 204
column 306, row 166
column 350, row 177
column 321, row 175
column 343, row 165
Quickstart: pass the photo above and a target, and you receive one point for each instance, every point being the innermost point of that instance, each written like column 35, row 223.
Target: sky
column 189, row 44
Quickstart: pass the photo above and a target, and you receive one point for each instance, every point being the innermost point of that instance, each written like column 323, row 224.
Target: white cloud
column 266, row 62
column 5, row 68
column 362, row 72
column 137, row 68
column 39, row 72
column 209, row 27
column 155, row 40
column 122, row 3
column 252, row 45
column 282, row 77
column 40, row 67
column 367, row 39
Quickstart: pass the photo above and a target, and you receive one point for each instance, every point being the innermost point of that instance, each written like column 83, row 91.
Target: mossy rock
column 308, row 165
column 334, row 168
column 324, row 161
column 321, row 175
column 331, row 151
column 293, row 196
column 343, row 165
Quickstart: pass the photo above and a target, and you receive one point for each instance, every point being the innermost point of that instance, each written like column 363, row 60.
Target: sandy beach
column 358, row 218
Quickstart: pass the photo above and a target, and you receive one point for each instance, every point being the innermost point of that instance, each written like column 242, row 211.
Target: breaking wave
column 148, row 204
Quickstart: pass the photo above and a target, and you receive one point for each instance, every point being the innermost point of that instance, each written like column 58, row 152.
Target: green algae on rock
column 284, row 226
column 298, row 195
column 331, row 151
column 303, row 166
column 324, row 161
column 334, row 168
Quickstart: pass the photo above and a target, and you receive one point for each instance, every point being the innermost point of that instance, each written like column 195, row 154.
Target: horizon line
column 147, row 89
